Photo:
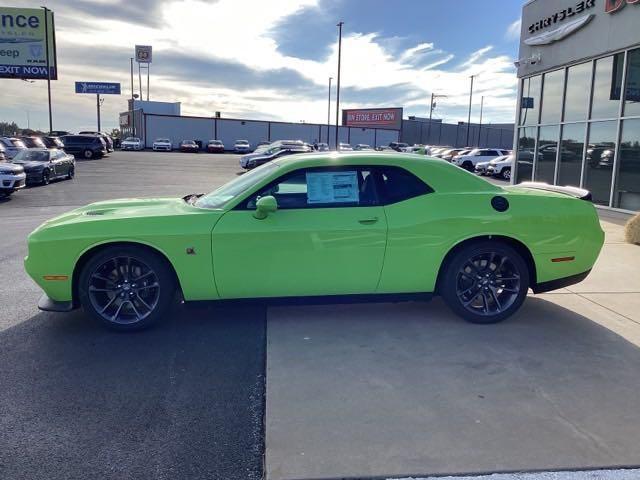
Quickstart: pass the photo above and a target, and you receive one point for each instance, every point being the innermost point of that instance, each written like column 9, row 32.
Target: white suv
column 469, row 161
column 12, row 178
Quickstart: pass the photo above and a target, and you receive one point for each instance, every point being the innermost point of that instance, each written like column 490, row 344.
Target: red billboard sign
column 384, row 118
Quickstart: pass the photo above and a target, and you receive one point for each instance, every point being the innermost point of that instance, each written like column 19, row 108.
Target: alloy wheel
column 488, row 284
column 124, row 290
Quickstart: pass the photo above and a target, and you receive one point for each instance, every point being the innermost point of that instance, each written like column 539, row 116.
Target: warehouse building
column 151, row 120
column 578, row 117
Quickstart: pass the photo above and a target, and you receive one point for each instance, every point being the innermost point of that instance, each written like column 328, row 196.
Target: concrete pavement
column 400, row 389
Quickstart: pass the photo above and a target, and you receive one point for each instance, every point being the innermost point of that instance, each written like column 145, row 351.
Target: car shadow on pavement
column 183, row 400
column 398, row 390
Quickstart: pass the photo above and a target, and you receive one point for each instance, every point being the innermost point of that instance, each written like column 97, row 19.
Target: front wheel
column 46, row 177
column 485, row 282
column 88, row 154
column 127, row 288
column 506, row 174
column 71, row 174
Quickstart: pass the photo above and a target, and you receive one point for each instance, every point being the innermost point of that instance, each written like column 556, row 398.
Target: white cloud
column 513, row 31
column 241, row 31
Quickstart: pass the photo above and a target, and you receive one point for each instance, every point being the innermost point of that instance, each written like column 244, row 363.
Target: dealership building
column 578, row 115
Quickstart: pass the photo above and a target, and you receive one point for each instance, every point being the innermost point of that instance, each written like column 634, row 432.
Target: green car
column 369, row 226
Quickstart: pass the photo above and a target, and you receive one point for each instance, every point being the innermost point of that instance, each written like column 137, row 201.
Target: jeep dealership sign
column 24, row 36
column 383, row 118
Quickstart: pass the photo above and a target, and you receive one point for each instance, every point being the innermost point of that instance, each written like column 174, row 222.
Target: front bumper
column 12, row 182
column 162, row 148
column 47, row 305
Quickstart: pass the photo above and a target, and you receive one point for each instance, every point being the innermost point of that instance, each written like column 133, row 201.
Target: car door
column 327, row 237
column 55, row 165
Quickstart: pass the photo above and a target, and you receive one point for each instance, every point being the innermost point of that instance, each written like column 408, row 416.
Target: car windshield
column 223, row 195
column 242, row 142
column 163, row 140
column 31, row 156
column 132, row 139
column 18, row 143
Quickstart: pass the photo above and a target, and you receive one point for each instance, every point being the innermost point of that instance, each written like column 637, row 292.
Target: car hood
column 125, row 209
column 11, row 167
column 32, row 165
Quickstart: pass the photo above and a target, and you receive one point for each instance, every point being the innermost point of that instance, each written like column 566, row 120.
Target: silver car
column 12, row 146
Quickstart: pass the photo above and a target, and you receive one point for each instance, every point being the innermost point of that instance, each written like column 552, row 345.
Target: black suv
column 85, row 146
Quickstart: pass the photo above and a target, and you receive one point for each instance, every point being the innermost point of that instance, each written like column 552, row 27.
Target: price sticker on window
column 332, row 187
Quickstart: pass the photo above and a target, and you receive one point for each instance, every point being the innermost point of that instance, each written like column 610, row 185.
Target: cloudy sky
column 271, row 59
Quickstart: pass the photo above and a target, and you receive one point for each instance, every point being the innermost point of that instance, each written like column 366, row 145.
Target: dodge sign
column 384, row 118
column 23, row 43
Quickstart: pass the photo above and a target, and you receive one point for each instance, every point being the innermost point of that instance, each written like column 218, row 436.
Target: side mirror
column 265, row 206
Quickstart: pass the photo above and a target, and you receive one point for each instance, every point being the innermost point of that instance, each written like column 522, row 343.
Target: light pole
column 338, row 82
column 480, row 125
column 329, row 110
column 469, row 117
column 46, row 43
column 431, row 107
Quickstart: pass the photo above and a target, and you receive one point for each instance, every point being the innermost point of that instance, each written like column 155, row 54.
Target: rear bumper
column 560, row 283
column 47, row 305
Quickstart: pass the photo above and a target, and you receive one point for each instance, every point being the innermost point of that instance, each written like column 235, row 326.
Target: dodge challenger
column 353, row 225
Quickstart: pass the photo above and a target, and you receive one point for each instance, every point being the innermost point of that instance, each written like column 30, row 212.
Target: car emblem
column 559, row 33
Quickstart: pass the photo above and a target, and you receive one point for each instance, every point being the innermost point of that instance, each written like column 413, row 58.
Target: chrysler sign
column 384, row 118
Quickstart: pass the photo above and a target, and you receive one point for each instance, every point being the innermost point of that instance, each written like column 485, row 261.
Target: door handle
column 368, row 221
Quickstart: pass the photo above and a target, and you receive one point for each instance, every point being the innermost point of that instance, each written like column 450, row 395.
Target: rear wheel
column 88, row 154
column 468, row 166
column 46, row 177
column 506, row 173
column 485, row 282
column 127, row 288
column 72, row 173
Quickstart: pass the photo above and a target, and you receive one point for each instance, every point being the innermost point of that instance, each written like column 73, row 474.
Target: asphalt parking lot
column 308, row 392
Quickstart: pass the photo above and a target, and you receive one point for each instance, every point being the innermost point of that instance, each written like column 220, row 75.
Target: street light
column 431, row 107
column 469, row 117
column 329, row 110
column 338, row 84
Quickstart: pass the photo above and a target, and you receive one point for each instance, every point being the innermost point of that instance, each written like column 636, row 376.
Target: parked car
column 12, row 146
column 215, row 146
column 85, row 146
column 321, row 147
column 60, row 133
column 482, row 168
column 43, row 165
column 3, row 157
column 189, row 146
column 254, row 160
column 501, row 167
column 132, row 143
column 261, row 144
column 32, row 142
column 107, row 139
column 362, row 146
column 52, row 142
column 344, row 147
column 478, row 155
column 384, row 148
column 398, row 146
column 12, row 178
column 270, row 217
column 242, row 146
column 449, row 154
column 162, row 144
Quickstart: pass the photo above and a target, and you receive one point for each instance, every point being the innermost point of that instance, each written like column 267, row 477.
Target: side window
column 397, row 185
column 322, row 188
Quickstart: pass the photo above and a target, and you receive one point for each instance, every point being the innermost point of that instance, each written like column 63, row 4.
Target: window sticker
column 332, row 187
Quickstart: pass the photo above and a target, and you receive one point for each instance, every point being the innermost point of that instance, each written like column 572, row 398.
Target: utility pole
column 148, row 65
column 46, row 43
column 132, row 80
column 338, row 83
column 98, row 107
column 469, row 117
column 329, row 110
column 140, row 81
column 480, row 125
column 431, row 107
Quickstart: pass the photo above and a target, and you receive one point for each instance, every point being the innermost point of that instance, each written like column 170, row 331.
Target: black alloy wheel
column 88, row 154
column 72, row 173
column 46, row 177
column 127, row 288
column 485, row 282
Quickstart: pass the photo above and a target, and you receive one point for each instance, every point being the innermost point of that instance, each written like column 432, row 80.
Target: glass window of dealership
column 580, row 125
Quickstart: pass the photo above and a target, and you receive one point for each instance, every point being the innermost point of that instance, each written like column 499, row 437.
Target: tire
column 506, row 173
column 46, row 177
column 71, row 174
column 109, row 292
column 88, row 154
column 468, row 166
column 485, row 282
